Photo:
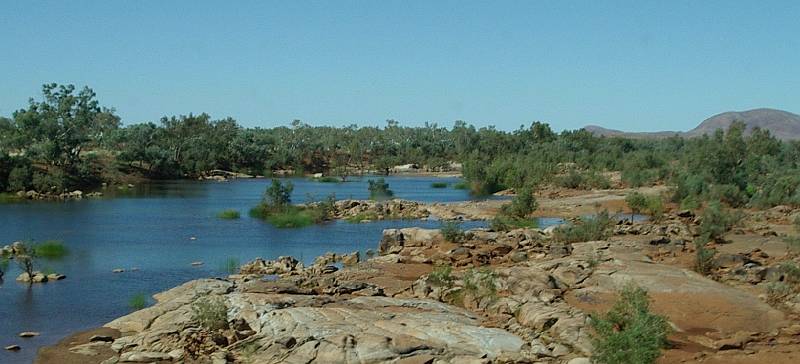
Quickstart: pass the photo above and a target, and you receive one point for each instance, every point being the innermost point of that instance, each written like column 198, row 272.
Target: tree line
column 67, row 140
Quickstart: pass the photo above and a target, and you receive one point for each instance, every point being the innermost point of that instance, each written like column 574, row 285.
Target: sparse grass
column 439, row 185
column 777, row 292
column 452, row 232
column 230, row 265
column 441, row 276
column 50, row 249
column 461, row 185
column 210, row 312
column 629, row 333
column 361, row 216
column 793, row 242
column 137, row 301
column 587, row 229
column 480, row 283
column 229, row 214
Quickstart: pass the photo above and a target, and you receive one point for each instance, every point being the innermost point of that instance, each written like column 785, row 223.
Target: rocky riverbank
column 492, row 297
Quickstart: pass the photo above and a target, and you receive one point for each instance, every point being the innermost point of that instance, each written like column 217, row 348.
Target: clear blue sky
column 633, row 65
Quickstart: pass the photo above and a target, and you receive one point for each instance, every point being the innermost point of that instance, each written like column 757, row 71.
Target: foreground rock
column 492, row 297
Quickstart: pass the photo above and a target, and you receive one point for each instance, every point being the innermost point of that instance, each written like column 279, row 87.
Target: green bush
column 629, row 333
column 452, row 232
column 439, row 185
column 704, row 257
column 137, row 301
column 229, row 214
column 278, row 195
column 505, row 223
column 597, row 227
column 636, row 202
column 379, row 190
column 210, row 312
column 522, row 205
column 716, row 221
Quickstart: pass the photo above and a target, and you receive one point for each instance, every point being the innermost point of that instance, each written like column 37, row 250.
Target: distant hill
column 782, row 124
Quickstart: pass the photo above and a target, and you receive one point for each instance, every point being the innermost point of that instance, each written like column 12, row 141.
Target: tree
column 59, row 127
column 379, row 190
column 278, row 195
column 25, row 259
column 636, row 202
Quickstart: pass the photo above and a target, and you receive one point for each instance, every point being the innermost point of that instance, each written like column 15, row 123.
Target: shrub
column 210, row 313
column 441, row 276
column 278, row 195
column 629, row 333
column 379, row 190
column 793, row 242
column 229, row 214
column 452, row 232
column 505, row 223
column 704, row 257
column 137, row 301
column 439, row 185
column 637, row 202
column 522, row 205
column 481, row 283
column 716, row 221
column 586, row 229
column 572, row 179
column 655, row 208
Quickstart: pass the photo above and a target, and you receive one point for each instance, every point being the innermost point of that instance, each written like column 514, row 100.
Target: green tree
column 278, row 195
column 379, row 189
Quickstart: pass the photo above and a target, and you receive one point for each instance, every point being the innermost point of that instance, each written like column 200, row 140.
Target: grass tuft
column 51, row 249
column 439, row 185
column 229, row 214
column 137, row 301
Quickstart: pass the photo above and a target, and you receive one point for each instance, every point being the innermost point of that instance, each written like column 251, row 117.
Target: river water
column 155, row 232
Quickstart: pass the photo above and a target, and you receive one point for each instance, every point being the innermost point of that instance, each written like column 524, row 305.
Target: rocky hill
column 782, row 124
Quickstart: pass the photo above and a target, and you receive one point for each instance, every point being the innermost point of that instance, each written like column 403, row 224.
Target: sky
column 630, row 65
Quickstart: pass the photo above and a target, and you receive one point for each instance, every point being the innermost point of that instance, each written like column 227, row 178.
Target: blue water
column 151, row 228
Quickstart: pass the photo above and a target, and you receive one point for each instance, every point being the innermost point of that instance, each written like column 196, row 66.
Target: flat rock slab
column 692, row 302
